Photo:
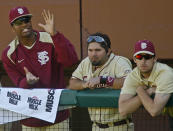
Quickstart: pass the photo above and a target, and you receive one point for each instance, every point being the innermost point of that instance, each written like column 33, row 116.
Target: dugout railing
column 79, row 101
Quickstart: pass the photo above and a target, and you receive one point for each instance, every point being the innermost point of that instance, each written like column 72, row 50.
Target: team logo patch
column 43, row 57
column 20, row 10
column 110, row 79
column 127, row 72
column 143, row 45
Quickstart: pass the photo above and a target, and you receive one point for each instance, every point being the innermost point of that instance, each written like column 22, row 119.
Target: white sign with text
column 38, row 103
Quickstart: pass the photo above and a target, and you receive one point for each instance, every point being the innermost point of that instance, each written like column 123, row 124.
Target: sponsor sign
column 38, row 103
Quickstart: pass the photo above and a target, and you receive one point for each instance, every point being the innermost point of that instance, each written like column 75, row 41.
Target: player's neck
column 94, row 68
column 28, row 41
column 145, row 75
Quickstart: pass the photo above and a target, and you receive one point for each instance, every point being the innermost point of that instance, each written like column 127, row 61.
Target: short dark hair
column 102, row 44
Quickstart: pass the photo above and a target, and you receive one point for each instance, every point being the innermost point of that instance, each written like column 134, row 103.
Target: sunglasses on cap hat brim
column 145, row 56
column 21, row 20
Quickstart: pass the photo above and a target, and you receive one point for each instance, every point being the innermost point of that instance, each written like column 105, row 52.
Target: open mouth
column 26, row 30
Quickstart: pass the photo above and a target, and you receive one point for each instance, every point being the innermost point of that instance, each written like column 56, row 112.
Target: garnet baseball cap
column 18, row 12
column 144, row 46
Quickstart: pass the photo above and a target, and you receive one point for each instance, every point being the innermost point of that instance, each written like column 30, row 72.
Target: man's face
column 97, row 54
column 22, row 27
column 144, row 62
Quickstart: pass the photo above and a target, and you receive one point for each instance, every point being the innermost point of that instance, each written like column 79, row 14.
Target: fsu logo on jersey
column 43, row 57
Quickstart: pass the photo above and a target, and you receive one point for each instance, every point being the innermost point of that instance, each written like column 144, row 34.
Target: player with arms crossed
column 147, row 78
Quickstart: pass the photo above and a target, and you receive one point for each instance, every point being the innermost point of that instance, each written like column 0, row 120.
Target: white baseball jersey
column 161, row 77
column 116, row 67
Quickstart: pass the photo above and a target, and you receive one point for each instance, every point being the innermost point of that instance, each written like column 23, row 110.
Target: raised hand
column 49, row 25
column 31, row 79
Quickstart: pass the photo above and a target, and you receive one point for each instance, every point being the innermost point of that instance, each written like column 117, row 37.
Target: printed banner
column 38, row 103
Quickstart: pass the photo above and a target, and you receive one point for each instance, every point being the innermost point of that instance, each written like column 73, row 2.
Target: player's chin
column 95, row 63
column 145, row 70
column 26, row 34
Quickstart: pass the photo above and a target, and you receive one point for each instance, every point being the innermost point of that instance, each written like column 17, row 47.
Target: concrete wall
column 124, row 21
column 66, row 18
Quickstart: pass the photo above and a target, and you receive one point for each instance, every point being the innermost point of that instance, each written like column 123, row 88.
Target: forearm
column 18, row 79
column 76, row 84
column 118, row 83
column 148, row 102
column 66, row 53
column 129, row 106
column 23, row 84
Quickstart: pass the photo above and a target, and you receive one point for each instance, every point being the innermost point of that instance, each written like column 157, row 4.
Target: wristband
column 103, row 79
column 110, row 81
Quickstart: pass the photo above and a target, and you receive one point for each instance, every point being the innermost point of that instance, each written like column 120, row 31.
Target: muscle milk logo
column 50, row 100
column 33, row 102
column 13, row 97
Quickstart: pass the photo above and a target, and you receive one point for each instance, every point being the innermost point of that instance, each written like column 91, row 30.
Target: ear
column 134, row 59
column 109, row 52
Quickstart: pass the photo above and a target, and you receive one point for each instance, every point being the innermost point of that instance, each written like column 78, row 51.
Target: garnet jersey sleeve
column 66, row 54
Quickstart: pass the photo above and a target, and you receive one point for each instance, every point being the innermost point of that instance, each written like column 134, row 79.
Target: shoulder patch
column 13, row 45
column 45, row 37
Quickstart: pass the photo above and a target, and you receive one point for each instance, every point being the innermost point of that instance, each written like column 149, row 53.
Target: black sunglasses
column 22, row 20
column 146, row 57
column 96, row 39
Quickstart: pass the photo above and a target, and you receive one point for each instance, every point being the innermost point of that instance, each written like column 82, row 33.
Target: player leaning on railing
column 102, row 69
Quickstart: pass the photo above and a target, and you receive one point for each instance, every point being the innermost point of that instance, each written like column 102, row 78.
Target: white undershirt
column 29, row 47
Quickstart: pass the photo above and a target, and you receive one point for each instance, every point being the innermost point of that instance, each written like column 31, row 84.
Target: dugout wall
column 124, row 21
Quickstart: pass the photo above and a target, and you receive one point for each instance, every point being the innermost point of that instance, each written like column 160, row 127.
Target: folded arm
column 129, row 103
column 154, row 107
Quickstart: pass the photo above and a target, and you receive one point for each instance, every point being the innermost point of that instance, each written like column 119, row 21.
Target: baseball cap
column 18, row 12
column 144, row 46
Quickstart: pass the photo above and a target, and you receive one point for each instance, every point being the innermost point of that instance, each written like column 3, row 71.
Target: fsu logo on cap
column 143, row 45
column 20, row 10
